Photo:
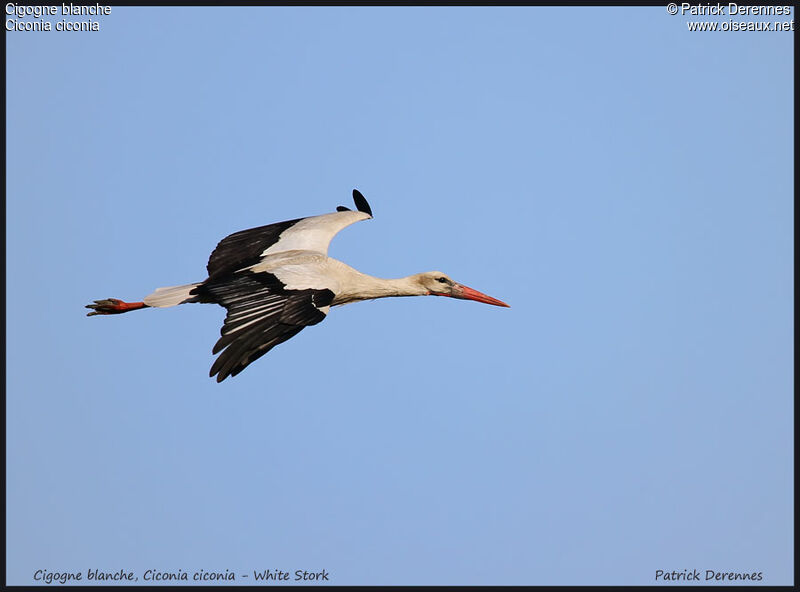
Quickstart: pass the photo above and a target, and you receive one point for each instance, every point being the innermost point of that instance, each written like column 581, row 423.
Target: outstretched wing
column 247, row 247
column 261, row 314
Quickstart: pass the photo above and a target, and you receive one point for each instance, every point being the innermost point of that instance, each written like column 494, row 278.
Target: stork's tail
column 171, row 296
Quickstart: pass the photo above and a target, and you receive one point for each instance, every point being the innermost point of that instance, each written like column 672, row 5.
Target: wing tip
column 361, row 202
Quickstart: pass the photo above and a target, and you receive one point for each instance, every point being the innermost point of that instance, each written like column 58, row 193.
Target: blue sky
column 624, row 184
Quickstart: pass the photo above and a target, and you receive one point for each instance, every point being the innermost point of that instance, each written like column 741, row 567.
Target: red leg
column 113, row 306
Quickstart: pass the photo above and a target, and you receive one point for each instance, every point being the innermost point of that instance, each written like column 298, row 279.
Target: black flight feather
column 361, row 202
column 262, row 313
column 343, row 209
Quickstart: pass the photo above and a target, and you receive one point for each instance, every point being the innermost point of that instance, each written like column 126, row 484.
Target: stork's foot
column 113, row 306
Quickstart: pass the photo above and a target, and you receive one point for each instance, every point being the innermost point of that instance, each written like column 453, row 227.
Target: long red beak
column 465, row 293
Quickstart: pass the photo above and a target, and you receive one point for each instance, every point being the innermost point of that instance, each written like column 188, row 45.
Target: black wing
column 243, row 249
column 261, row 314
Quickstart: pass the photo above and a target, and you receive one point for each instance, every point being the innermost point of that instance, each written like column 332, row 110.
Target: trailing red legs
column 113, row 306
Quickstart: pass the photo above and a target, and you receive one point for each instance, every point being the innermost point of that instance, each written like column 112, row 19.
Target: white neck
column 361, row 286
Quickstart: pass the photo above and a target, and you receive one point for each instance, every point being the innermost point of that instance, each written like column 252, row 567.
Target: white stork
column 275, row 280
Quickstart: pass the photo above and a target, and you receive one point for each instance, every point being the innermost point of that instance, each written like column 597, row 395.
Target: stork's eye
column 442, row 279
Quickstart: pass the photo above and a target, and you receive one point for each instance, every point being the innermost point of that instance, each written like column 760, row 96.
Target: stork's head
column 437, row 283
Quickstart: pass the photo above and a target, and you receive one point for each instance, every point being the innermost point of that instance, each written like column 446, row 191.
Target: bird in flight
column 275, row 280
